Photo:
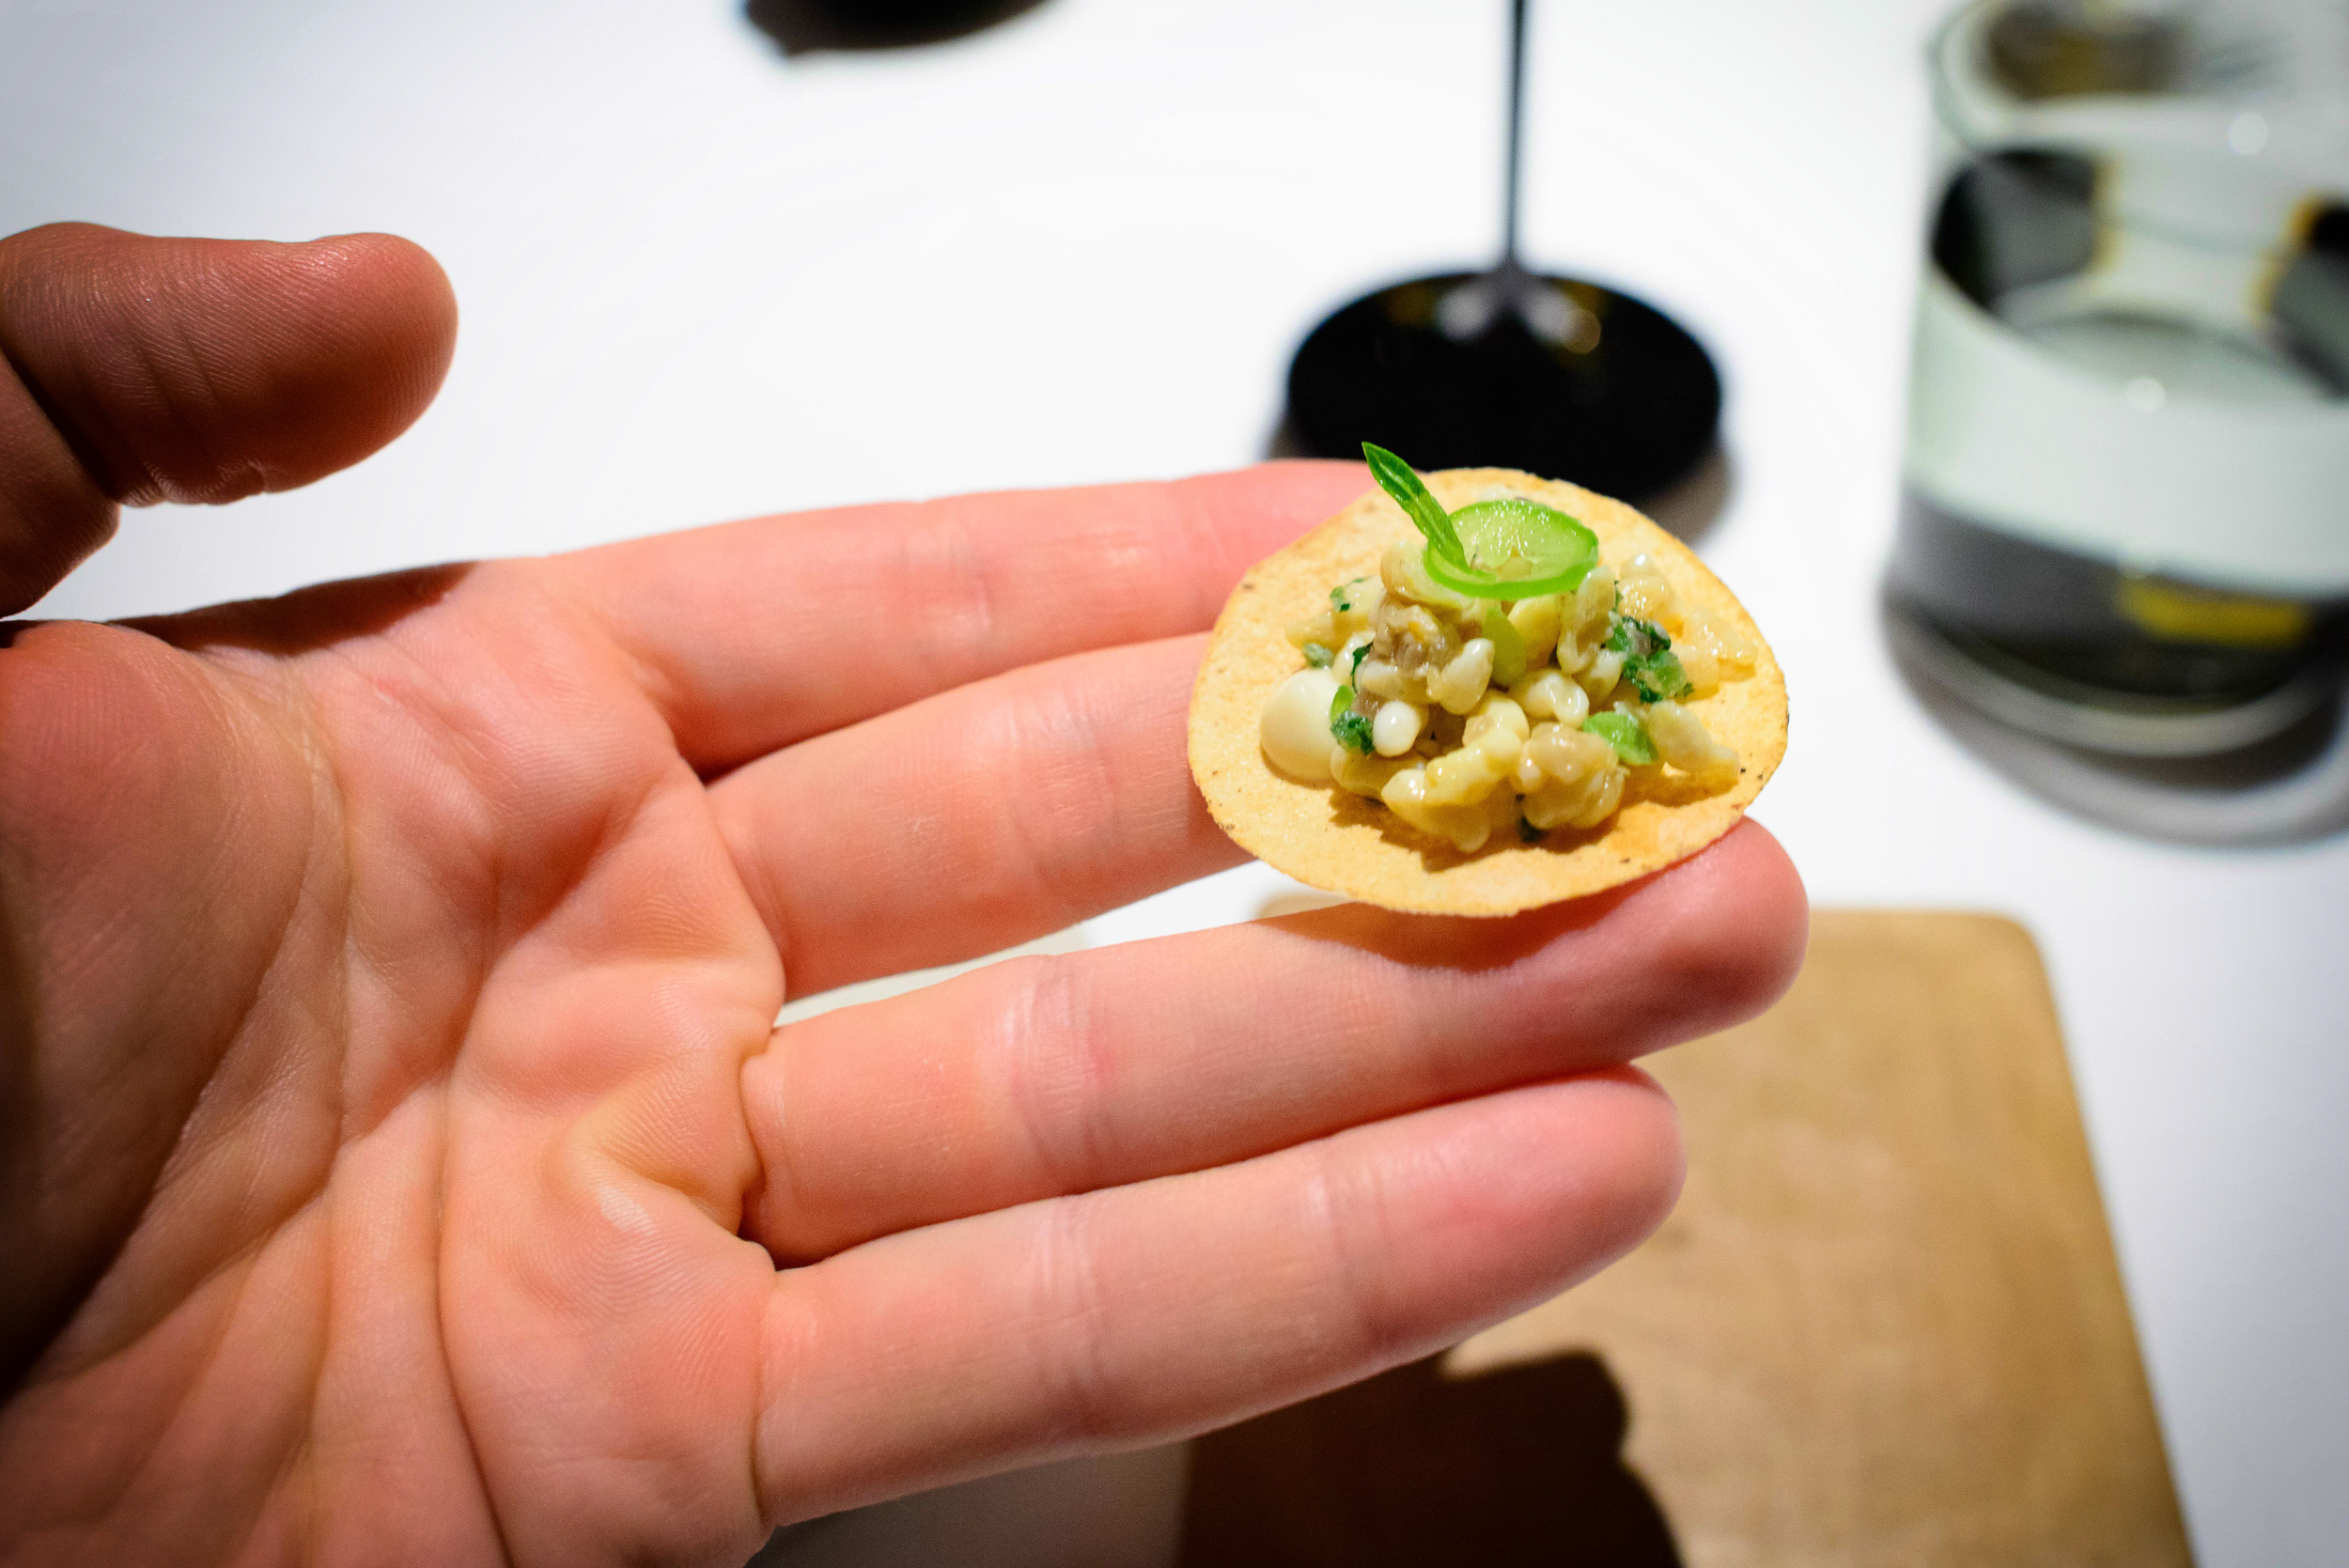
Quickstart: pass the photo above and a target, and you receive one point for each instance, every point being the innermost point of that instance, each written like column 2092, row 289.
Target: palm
column 411, row 1160
column 485, row 912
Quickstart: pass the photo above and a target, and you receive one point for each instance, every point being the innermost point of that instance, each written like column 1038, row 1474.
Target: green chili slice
column 1508, row 646
column 1508, row 549
column 1516, row 549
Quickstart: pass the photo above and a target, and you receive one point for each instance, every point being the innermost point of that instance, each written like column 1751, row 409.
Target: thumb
column 136, row 370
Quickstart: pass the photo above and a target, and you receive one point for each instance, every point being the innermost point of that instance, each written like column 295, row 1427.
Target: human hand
column 395, row 1157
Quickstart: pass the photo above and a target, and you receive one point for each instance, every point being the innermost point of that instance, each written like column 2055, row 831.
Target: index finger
column 752, row 635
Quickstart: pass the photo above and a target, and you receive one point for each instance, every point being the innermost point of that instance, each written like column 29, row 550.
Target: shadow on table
column 1519, row 1466
column 806, row 26
column 2290, row 788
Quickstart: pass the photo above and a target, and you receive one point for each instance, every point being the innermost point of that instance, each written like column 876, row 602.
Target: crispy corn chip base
column 1331, row 838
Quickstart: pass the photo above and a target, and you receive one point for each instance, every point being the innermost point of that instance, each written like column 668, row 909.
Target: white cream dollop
column 1295, row 728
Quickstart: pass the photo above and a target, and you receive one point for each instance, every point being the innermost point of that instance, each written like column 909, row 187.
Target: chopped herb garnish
column 1351, row 728
column 1648, row 663
column 1625, row 733
column 1355, row 669
column 1658, row 678
column 1318, row 656
column 1527, row 832
column 1342, row 596
column 1507, row 548
column 1631, row 637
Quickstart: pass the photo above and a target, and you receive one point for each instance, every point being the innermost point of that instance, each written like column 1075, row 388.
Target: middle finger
column 1042, row 1077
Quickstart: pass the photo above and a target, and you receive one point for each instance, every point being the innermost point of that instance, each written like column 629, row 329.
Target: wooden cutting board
column 1884, row 1326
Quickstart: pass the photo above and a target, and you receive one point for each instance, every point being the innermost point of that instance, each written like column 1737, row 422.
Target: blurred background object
column 804, row 27
column 1509, row 368
column 2127, row 526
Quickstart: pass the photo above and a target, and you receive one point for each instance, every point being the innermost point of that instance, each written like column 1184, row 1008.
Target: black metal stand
column 1509, row 368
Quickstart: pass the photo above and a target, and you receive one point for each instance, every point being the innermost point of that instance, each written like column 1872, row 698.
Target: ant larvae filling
column 1472, row 719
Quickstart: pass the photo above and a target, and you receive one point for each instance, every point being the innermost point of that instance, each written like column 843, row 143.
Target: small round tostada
column 1481, row 693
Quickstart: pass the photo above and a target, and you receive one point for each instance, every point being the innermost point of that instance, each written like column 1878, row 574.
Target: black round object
column 806, row 26
column 1509, row 369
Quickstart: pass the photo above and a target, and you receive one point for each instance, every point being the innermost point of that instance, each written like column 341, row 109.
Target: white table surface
column 701, row 281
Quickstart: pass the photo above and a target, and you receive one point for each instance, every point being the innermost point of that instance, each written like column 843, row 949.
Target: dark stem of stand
column 1516, row 134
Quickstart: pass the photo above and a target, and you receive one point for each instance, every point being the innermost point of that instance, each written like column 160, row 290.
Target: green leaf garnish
column 1426, row 513
column 1351, row 728
column 1626, row 735
column 1318, row 654
column 1354, row 671
column 1342, row 596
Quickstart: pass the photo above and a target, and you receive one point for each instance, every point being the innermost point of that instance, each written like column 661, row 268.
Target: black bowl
column 1554, row 376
